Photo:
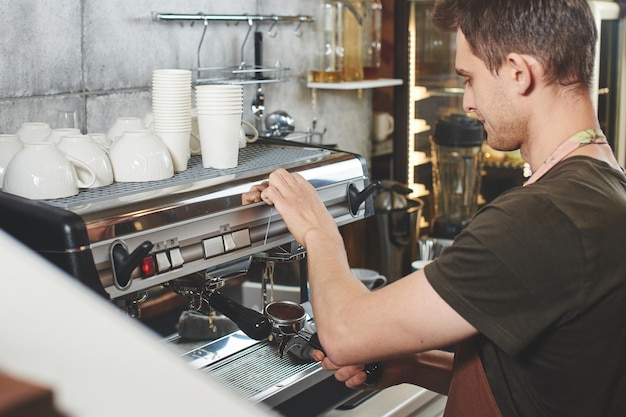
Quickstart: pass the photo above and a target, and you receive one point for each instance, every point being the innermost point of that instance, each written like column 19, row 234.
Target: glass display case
column 434, row 92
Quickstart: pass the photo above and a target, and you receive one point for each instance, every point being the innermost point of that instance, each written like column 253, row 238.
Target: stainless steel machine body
column 124, row 239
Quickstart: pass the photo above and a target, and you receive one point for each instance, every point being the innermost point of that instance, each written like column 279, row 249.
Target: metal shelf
column 231, row 18
column 242, row 73
column 356, row 85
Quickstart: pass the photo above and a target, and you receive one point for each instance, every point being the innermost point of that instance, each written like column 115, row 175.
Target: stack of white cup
column 171, row 107
column 219, row 108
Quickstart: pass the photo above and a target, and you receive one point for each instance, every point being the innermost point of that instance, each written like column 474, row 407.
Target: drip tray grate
column 251, row 158
column 256, row 370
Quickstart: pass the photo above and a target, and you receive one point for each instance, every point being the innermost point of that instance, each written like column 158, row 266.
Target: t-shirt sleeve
column 504, row 273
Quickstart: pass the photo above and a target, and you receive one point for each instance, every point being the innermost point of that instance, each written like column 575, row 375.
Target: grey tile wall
column 96, row 57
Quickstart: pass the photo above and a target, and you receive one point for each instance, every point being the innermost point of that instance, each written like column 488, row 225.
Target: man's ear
column 523, row 72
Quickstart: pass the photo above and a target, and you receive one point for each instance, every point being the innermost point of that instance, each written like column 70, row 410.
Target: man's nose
column 468, row 101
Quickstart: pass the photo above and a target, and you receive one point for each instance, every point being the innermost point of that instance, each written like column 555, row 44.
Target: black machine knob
column 254, row 324
column 356, row 197
column 123, row 263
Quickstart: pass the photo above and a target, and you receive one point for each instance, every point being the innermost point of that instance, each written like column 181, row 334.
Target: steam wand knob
column 356, row 197
column 123, row 263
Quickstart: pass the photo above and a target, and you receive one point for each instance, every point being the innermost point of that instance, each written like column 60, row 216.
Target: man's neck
column 558, row 115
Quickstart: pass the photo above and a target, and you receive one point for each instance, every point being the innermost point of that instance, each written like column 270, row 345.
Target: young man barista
column 533, row 292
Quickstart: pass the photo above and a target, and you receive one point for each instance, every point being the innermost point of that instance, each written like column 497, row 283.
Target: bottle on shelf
column 372, row 38
column 353, row 40
column 339, row 50
column 328, row 65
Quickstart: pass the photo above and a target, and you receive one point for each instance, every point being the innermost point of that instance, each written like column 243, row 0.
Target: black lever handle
column 254, row 324
column 356, row 197
column 123, row 262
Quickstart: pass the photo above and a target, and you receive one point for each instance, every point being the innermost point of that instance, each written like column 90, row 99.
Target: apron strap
column 469, row 394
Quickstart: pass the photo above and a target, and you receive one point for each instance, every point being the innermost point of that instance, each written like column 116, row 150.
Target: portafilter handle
column 254, row 324
column 356, row 197
column 373, row 371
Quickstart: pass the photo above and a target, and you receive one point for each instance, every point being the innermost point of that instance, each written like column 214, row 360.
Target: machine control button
column 229, row 242
column 213, row 246
column 148, row 268
column 176, row 257
column 163, row 262
column 242, row 238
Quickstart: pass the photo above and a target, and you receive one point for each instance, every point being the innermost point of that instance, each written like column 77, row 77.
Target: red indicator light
column 147, row 266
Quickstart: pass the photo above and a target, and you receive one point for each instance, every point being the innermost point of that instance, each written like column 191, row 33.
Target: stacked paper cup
column 219, row 108
column 171, row 108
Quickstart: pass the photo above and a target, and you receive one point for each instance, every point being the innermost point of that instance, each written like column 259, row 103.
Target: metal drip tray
column 250, row 368
column 259, row 373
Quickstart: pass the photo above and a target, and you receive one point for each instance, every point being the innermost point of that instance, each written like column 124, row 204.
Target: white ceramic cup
column 219, row 139
column 56, row 134
column 243, row 137
column 124, row 124
column 382, row 126
column 9, row 146
column 140, row 156
column 41, row 171
column 33, row 132
column 370, row 278
column 101, row 140
column 85, row 150
column 420, row 264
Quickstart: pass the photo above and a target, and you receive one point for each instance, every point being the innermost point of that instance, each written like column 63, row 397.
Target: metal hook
column 298, row 32
column 270, row 33
column 243, row 44
column 206, row 24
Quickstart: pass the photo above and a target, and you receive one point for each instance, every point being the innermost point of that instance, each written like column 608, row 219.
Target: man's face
column 491, row 98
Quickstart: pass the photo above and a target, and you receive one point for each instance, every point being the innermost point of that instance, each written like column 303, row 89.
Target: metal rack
column 231, row 18
column 242, row 73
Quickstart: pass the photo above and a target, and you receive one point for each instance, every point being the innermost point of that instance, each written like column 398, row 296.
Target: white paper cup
column 177, row 144
column 220, row 109
column 173, row 72
column 219, row 139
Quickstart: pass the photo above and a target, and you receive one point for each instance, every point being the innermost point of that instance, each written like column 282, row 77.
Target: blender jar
column 457, row 162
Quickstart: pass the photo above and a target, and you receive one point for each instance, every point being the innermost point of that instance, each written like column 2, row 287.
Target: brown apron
column 469, row 394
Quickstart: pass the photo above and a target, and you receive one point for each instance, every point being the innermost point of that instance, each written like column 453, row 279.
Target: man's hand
column 299, row 205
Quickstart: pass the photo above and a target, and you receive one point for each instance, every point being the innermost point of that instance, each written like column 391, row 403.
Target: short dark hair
column 561, row 34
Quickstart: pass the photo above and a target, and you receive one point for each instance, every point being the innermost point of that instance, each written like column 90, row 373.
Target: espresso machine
column 194, row 235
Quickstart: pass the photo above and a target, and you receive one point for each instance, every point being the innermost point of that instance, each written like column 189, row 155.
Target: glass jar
column 372, row 38
column 328, row 65
column 353, row 40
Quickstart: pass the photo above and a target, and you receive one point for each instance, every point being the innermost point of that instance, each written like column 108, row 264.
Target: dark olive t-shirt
column 541, row 273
